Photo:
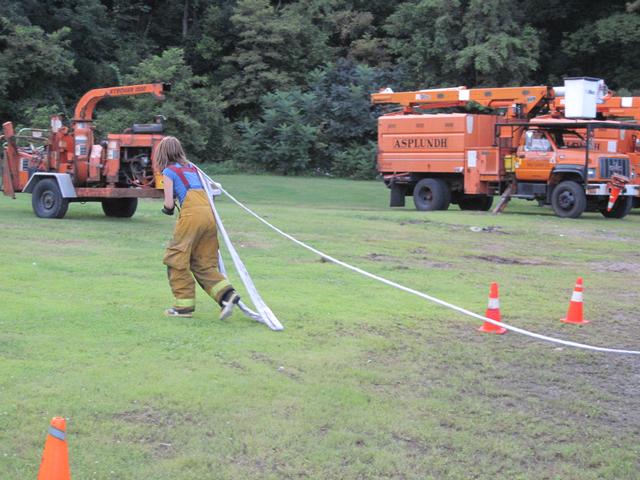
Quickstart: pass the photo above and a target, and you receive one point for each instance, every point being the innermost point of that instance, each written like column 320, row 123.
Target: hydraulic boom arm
column 520, row 102
column 86, row 105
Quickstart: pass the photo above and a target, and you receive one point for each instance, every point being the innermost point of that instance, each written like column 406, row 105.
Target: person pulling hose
column 193, row 250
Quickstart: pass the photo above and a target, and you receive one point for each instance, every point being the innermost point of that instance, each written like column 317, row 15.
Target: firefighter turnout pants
column 193, row 252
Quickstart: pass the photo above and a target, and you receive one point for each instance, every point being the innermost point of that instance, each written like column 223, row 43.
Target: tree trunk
column 185, row 19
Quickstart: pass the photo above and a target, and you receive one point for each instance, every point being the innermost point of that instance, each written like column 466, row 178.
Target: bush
column 357, row 162
column 330, row 128
column 286, row 138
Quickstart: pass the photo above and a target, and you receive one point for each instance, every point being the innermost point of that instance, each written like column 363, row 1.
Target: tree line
column 283, row 86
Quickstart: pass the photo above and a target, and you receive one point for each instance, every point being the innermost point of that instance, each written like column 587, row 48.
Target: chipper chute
column 263, row 313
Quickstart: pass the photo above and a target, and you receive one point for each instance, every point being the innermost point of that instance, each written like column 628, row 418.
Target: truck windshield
column 537, row 141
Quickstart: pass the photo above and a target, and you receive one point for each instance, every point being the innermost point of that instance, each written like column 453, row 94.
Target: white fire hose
column 264, row 313
column 378, row 278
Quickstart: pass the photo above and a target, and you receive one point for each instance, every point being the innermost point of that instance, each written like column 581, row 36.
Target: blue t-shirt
column 179, row 188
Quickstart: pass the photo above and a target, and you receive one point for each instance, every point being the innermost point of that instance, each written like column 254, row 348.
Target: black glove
column 168, row 211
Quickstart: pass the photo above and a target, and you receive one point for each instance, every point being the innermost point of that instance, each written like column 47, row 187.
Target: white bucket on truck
column 582, row 94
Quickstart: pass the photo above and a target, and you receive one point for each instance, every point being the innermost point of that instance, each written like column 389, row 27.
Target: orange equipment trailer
column 466, row 158
column 64, row 165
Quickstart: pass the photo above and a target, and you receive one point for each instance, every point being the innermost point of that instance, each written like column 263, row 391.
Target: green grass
column 364, row 382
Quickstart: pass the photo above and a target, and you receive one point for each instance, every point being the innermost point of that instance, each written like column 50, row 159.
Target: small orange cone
column 616, row 184
column 493, row 312
column 574, row 314
column 55, row 458
column 615, row 193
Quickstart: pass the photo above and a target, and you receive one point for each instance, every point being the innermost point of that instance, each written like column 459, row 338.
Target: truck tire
column 431, row 194
column 620, row 209
column 120, row 207
column 47, row 201
column 483, row 203
column 568, row 199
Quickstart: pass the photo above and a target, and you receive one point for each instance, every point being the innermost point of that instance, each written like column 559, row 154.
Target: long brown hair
column 168, row 151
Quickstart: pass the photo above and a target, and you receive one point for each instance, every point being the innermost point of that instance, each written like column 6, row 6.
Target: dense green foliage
column 283, row 86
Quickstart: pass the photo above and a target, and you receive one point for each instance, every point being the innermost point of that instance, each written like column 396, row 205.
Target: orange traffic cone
column 615, row 193
column 55, row 458
column 574, row 315
column 493, row 312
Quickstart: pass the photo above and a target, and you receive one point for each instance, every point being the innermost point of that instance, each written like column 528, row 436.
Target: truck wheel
column 568, row 199
column 120, row 207
column 431, row 194
column 483, row 203
column 620, row 209
column 47, row 201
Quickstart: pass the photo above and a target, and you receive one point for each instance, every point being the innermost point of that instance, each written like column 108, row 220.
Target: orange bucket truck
column 467, row 158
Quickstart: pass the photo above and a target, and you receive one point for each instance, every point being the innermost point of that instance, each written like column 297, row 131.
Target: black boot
column 228, row 302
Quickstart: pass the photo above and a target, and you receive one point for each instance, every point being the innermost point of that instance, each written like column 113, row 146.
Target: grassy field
column 364, row 382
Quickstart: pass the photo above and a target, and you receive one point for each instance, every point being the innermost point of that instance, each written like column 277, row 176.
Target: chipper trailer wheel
column 568, row 199
column 120, row 207
column 47, row 201
column 431, row 194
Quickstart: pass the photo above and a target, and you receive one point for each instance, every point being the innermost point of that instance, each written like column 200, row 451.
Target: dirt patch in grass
column 147, row 415
column 431, row 223
column 606, row 395
column 164, row 450
column 507, row 261
column 414, row 222
column 381, row 257
column 613, row 267
column 288, row 371
column 404, row 264
column 597, row 235
column 412, row 445
column 561, row 385
column 575, row 391
column 155, row 429
column 425, row 263
column 489, row 229
column 236, row 366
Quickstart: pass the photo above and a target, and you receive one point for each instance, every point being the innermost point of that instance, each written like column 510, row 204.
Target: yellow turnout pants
column 194, row 250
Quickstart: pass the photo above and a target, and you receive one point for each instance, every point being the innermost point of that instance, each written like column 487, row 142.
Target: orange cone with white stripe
column 55, row 458
column 613, row 196
column 574, row 314
column 493, row 312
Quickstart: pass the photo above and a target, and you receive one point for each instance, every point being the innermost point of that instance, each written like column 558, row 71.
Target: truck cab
column 543, row 153
column 557, row 164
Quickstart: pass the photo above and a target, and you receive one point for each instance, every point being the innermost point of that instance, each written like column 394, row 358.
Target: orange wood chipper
column 64, row 164
column 521, row 142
